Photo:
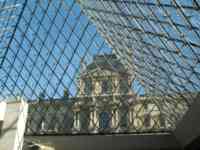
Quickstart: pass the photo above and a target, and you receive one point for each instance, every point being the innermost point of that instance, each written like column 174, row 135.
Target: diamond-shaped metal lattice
column 100, row 66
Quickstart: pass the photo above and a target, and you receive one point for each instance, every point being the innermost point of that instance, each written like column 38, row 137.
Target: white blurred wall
column 14, row 123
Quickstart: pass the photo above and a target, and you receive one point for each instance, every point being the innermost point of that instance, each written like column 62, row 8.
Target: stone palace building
column 105, row 103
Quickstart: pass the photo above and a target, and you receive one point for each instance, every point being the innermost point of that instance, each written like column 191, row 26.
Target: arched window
column 104, row 120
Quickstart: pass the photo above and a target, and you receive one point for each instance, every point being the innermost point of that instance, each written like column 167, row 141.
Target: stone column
column 115, row 118
column 94, row 120
column 76, row 123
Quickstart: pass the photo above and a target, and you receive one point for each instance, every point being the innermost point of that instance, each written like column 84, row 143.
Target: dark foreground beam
column 109, row 142
column 188, row 130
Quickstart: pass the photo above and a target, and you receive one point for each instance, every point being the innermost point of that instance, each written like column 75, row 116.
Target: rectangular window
column 124, row 117
column 107, row 86
column 147, row 119
column 124, row 87
column 84, row 119
column 2, row 114
column 88, row 87
column 162, row 120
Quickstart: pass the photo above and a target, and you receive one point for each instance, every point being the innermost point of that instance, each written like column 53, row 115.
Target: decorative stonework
column 105, row 103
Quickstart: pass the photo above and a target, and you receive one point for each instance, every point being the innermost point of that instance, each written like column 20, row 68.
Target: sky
column 51, row 42
column 47, row 48
column 170, row 61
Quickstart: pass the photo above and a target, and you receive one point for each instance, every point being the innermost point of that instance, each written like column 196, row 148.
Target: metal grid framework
column 10, row 12
column 49, row 47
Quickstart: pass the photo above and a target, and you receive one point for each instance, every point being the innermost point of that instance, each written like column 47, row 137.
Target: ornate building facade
column 105, row 103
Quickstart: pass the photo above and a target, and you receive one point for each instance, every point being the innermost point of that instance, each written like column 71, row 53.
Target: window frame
column 108, row 88
column 102, row 118
column 88, row 86
column 123, row 82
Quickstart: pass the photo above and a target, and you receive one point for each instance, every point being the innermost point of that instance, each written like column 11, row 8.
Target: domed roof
column 108, row 62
